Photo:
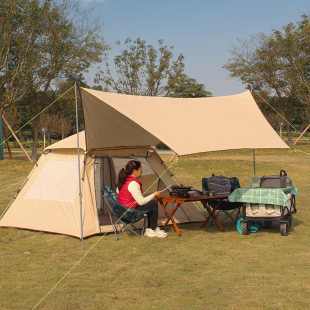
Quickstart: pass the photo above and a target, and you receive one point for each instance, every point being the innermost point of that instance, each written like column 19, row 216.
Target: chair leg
column 117, row 234
column 144, row 224
column 229, row 215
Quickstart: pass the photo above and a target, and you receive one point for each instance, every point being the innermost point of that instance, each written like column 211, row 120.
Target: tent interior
column 155, row 177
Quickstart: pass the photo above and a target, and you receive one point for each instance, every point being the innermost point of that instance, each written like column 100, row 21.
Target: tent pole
column 254, row 160
column 79, row 170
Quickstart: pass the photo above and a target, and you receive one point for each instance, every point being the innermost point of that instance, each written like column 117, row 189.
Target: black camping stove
column 180, row 191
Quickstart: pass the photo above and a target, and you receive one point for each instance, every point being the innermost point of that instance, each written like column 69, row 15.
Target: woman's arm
column 134, row 190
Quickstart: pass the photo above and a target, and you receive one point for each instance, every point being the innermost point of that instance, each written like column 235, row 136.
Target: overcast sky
column 202, row 30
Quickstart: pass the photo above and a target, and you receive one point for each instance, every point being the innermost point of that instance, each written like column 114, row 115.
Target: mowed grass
column 204, row 269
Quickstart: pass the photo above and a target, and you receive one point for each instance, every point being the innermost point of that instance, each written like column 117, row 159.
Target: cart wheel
column 289, row 219
column 284, row 229
column 244, row 228
column 267, row 224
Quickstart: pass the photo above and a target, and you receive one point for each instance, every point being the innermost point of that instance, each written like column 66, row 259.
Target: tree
column 142, row 70
column 20, row 23
column 186, row 87
column 71, row 48
column 43, row 40
column 277, row 64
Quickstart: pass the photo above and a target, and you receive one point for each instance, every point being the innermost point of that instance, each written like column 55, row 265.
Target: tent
column 49, row 201
column 123, row 127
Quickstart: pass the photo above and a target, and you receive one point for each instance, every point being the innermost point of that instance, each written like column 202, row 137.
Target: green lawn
column 204, row 269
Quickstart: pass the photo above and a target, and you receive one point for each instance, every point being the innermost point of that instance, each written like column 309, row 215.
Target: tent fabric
column 186, row 125
column 69, row 143
column 44, row 214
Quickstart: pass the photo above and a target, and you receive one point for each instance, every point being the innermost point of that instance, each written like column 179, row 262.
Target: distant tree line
column 277, row 67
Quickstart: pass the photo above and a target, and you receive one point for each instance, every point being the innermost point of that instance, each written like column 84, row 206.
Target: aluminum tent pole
column 79, row 170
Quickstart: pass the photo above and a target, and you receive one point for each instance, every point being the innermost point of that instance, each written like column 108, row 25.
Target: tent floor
column 104, row 219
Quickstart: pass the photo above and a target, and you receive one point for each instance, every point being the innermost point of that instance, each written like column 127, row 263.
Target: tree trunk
column 1, row 135
column 37, row 119
column 6, row 141
column 35, row 139
column 288, row 116
column 35, row 127
column 289, row 136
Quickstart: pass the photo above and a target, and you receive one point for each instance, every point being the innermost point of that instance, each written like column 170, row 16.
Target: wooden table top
column 174, row 199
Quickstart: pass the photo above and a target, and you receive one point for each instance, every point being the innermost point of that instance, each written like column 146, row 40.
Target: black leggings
column 153, row 215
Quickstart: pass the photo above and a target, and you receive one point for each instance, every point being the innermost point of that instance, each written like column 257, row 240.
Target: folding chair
column 223, row 185
column 125, row 216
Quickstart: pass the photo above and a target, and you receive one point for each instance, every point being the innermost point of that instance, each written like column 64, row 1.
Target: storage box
column 260, row 210
column 273, row 182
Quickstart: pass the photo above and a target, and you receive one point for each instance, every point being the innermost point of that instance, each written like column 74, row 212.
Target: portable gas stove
column 180, row 191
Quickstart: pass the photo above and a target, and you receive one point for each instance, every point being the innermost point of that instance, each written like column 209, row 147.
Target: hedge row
column 295, row 134
column 27, row 144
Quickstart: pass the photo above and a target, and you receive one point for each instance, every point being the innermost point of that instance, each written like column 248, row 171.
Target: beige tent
column 122, row 127
column 49, row 201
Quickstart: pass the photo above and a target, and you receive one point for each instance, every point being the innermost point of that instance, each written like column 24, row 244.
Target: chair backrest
column 220, row 184
column 120, row 211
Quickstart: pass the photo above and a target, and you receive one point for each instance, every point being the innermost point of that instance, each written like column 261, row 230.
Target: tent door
column 104, row 175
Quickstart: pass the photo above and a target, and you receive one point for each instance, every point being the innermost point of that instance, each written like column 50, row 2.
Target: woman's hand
column 156, row 194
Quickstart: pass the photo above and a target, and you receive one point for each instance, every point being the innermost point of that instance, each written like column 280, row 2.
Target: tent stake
column 78, row 151
column 254, row 160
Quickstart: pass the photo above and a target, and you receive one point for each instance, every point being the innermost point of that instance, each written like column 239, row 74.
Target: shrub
column 27, row 144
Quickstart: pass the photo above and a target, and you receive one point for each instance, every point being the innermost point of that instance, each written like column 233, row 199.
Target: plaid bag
column 220, row 184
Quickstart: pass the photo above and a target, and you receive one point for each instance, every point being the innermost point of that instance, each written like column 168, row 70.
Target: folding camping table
column 164, row 200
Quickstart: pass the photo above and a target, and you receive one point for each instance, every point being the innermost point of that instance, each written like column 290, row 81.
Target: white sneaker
column 150, row 233
column 160, row 233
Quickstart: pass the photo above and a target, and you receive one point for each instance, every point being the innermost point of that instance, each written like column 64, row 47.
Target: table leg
column 170, row 217
column 212, row 213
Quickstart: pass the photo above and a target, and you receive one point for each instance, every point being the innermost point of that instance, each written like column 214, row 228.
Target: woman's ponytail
column 127, row 170
column 122, row 178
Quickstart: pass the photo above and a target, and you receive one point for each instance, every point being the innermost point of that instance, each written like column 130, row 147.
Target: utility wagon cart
column 266, row 204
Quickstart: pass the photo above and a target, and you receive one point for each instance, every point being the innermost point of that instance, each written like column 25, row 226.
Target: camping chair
column 223, row 185
column 125, row 216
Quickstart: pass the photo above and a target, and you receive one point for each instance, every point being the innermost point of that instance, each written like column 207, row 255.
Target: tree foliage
column 186, row 87
column 278, row 64
column 141, row 69
column 44, row 41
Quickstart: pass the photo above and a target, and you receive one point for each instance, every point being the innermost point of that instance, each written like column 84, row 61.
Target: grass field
column 204, row 269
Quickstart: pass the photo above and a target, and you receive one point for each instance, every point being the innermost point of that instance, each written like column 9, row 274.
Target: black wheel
column 289, row 219
column 284, row 229
column 244, row 228
column 267, row 224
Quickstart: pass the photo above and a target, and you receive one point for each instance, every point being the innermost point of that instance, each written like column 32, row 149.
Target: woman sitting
column 131, row 196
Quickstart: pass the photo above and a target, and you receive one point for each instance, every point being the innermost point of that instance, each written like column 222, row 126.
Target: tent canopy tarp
column 186, row 125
